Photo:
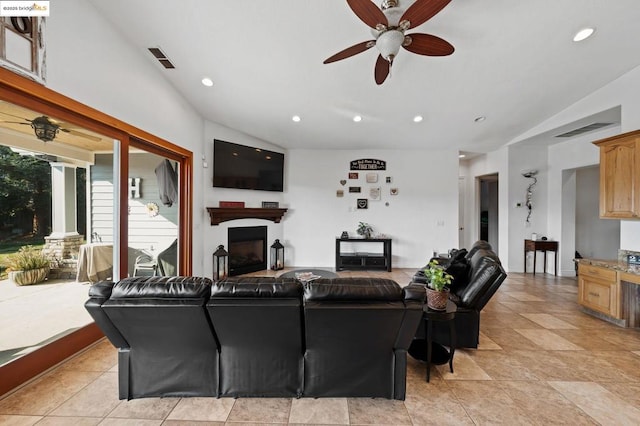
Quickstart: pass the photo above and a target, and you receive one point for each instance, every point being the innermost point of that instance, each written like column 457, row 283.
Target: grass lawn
column 7, row 248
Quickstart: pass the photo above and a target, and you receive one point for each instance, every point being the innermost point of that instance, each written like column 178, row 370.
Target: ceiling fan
column 46, row 128
column 389, row 23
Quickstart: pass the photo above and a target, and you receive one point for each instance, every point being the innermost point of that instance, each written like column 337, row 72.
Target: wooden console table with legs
column 544, row 246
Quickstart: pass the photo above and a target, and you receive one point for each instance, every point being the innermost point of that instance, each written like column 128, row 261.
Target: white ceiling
column 515, row 63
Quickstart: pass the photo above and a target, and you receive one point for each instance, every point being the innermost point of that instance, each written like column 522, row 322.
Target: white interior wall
column 496, row 162
column 596, row 238
column 89, row 61
column 423, row 217
column 524, row 158
column 623, row 92
column 566, row 157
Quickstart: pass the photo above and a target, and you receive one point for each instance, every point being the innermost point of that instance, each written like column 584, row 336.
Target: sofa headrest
column 481, row 254
column 162, row 288
column 478, row 245
column 262, row 287
column 352, row 289
column 101, row 290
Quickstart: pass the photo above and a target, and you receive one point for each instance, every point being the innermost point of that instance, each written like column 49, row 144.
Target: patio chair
column 145, row 266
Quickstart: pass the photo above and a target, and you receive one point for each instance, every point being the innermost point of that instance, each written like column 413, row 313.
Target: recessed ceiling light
column 583, row 34
column 461, row 155
column 417, row 119
column 357, row 119
column 296, row 118
column 480, row 119
column 207, row 82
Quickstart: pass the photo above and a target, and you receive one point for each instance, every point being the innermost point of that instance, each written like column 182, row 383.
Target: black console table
column 357, row 260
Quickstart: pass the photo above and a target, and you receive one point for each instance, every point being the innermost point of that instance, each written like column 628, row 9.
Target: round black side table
column 431, row 315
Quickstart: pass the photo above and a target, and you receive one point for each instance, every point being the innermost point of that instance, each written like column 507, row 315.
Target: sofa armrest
column 98, row 294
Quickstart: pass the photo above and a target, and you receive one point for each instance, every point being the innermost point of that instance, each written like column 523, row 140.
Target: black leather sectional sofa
column 258, row 337
column 478, row 274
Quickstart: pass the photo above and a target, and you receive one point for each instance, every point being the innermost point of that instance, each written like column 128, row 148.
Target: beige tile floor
column 541, row 361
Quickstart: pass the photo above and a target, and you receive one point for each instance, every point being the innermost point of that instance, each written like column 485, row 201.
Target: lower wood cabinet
column 598, row 289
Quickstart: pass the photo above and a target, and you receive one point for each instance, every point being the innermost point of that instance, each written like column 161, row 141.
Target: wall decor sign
column 389, row 179
column 353, row 175
column 339, row 193
column 362, row 203
column 368, row 164
column 374, row 193
column 393, row 191
column 343, row 182
column 372, row 177
column 354, row 189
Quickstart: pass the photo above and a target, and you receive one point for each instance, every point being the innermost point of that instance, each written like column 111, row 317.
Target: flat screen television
column 244, row 167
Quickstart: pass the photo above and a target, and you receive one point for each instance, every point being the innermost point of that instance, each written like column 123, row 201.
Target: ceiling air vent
column 584, row 129
column 161, row 57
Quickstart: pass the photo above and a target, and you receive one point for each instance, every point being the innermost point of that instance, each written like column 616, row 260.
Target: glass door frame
column 30, row 94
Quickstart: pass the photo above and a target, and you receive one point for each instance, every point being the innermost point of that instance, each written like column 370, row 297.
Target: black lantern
column 220, row 264
column 277, row 256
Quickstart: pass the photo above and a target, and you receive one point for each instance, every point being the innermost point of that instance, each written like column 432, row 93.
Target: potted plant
column 365, row 230
column 28, row 266
column 437, row 290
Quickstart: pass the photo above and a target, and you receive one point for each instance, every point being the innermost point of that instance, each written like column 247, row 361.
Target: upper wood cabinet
column 620, row 176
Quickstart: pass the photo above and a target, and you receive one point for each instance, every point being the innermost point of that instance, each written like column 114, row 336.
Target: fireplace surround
column 247, row 249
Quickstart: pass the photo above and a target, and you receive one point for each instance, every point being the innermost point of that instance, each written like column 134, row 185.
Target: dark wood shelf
column 222, row 214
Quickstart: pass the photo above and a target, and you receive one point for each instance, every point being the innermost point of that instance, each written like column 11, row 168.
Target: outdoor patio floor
column 33, row 315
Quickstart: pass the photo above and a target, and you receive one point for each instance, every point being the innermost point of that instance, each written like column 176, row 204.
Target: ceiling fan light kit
column 388, row 25
column 44, row 129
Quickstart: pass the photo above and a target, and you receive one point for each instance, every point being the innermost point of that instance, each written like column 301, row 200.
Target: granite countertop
column 615, row 264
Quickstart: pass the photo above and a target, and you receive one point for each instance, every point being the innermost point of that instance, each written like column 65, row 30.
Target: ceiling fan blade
column 429, row 45
column 350, row 51
column 80, row 134
column 13, row 122
column 423, row 10
column 368, row 12
column 15, row 116
column 381, row 70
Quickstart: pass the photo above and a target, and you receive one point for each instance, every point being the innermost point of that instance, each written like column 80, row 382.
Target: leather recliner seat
column 470, row 291
column 258, row 336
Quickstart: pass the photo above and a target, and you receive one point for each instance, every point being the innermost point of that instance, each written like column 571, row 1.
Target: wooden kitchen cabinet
column 620, row 176
column 598, row 289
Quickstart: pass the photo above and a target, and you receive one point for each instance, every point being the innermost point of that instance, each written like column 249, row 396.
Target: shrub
column 27, row 258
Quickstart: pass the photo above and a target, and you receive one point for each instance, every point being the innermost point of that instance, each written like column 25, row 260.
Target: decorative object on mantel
column 152, row 209
column 530, row 174
column 362, row 203
column 234, row 204
column 368, row 164
column 344, row 235
column 222, row 214
column 365, row 230
column 277, row 256
column 270, row 204
column 220, row 264
column 437, row 292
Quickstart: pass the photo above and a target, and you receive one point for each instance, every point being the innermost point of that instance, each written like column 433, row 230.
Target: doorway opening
column 488, row 211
